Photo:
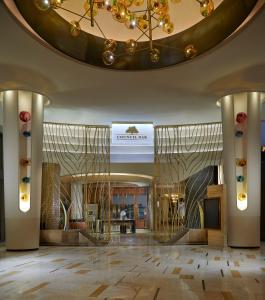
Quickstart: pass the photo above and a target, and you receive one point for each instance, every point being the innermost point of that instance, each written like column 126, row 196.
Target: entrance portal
column 84, row 201
column 130, row 202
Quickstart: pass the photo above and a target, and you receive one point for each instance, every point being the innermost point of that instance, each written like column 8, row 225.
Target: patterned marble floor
column 138, row 239
column 133, row 272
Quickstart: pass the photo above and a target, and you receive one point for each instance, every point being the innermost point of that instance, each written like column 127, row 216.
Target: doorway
column 2, row 208
column 262, row 196
column 131, row 202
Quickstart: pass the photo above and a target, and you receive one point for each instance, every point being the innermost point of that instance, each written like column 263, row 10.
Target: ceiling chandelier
column 142, row 15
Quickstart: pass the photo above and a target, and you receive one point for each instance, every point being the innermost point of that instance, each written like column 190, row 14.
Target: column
column 22, row 136
column 50, row 196
column 241, row 117
column 77, row 201
column 151, row 202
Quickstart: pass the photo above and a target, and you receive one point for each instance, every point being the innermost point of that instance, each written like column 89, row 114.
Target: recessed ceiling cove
column 176, row 17
column 134, row 34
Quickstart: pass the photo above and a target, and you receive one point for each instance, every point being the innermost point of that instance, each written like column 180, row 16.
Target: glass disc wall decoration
column 24, row 120
column 241, row 163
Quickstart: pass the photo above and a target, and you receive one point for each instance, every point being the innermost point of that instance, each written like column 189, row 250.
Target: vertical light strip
column 24, row 133
column 240, row 108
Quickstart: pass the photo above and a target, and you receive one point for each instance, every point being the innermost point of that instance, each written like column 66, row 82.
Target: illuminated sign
column 132, row 143
column 132, row 134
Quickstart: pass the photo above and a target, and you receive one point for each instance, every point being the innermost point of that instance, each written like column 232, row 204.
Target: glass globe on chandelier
column 142, row 15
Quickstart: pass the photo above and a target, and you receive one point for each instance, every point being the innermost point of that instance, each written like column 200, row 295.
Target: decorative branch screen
column 184, row 156
column 76, row 170
column 76, row 177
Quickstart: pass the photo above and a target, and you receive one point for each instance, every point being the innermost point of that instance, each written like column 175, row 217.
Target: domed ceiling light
column 142, row 15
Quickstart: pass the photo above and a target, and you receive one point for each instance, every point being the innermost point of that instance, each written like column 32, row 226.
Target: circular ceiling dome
column 134, row 34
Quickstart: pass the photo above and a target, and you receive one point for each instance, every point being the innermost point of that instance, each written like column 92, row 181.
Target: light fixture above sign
column 145, row 16
column 134, row 34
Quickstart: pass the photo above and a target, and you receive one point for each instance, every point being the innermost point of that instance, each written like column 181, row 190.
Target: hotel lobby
column 132, row 149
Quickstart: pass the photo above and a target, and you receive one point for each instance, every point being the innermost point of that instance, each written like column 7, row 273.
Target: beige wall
column 145, row 169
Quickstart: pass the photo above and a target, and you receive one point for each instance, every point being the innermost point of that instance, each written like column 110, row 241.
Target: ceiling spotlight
column 206, row 7
column 43, row 5
column 154, row 55
column 75, row 29
column 190, row 51
column 131, row 46
column 108, row 58
column 110, row 45
column 47, row 102
column 56, row 3
column 218, row 103
column 161, row 23
column 132, row 22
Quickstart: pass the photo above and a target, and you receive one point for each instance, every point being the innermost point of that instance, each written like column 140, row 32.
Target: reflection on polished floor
column 133, row 272
column 140, row 238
